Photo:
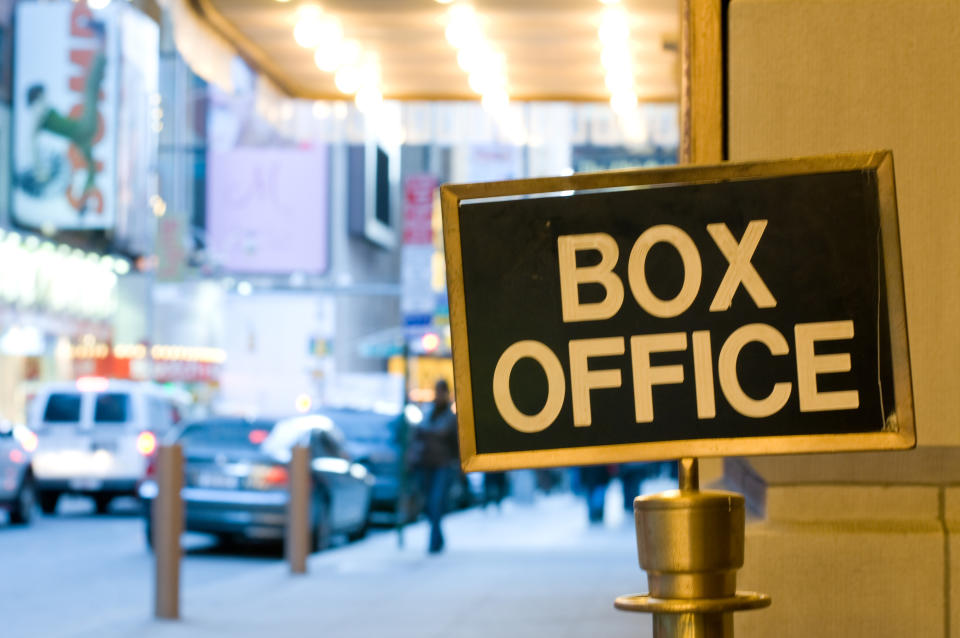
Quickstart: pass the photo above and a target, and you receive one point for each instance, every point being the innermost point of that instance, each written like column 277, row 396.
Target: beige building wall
column 864, row 544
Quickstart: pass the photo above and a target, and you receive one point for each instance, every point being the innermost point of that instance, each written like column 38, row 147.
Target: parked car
column 236, row 479
column 374, row 440
column 17, row 487
column 96, row 436
column 379, row 441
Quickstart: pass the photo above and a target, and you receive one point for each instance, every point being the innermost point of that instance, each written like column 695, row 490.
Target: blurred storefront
column 223, row 207
column 52, row 298
column 78, row 180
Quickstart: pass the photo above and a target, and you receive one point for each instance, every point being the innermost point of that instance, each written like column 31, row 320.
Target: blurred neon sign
column 60, row 279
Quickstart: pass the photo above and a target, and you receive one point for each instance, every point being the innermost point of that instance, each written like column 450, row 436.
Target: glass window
column 329, row 445
column 62, row 408
column 111, row 408
column 221, row 434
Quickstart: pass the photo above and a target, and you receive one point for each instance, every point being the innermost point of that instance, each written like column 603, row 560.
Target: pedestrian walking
column 434, row 455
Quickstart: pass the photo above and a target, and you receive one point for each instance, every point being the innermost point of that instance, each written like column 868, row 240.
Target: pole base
column 693, row 617
column 742, row 601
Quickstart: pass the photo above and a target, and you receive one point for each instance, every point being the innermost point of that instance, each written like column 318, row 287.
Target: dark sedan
column 236, row 479
column 17, row 492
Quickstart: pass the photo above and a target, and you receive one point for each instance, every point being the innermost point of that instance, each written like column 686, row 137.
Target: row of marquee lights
column 357, row 72
column 90, row 348
column 58, row 277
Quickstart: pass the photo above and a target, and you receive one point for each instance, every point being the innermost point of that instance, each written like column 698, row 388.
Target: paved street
column 527, row 570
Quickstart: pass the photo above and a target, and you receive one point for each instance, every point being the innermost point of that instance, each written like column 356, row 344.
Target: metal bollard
column 690, row 543
column 297, row 533
column 167, row 524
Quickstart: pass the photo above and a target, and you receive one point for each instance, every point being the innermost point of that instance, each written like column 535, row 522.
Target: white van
column 96, row 436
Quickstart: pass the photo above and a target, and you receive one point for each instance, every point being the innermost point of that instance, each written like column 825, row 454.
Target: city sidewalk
column 526, row 570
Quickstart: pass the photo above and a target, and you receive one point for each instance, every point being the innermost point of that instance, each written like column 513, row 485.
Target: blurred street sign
column 418, row 191
column 688, row 311
column 417, row 297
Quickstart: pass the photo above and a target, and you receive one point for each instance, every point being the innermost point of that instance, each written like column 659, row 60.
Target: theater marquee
column 688, row 311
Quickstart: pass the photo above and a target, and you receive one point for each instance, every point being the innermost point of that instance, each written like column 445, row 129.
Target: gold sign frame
column 899, row 431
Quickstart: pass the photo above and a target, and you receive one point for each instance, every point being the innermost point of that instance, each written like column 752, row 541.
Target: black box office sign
column 688, row 311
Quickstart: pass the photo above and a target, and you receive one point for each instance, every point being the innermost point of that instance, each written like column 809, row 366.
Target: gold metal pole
column 689, row 474
column 167, row 517
column 690, row 542
column 297, row 536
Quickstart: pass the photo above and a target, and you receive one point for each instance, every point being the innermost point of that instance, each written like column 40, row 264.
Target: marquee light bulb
column 462, row 13
column 368, row 99
column 329, row 38
column 463, row 28
column 333, row 51
column 619, row 81
column 472, row 58
column 309, row 29
column 309, row 12
column 306, row 34
column 614, row 27
column 481, row 82
column 348, row 79
column 325, row 59
column 340, row 54
column 615, row 55
column 623, row 102
column 495, row 100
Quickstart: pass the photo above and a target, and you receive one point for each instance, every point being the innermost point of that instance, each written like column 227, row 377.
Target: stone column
column 863, row 544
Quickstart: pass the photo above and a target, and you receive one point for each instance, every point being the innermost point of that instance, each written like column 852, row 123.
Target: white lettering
column 692, row 271
column 703, row 375
column 572, row 276
column 645, row 376
column 740, row 270
column 556, row 386
column 582, row 379
column 810, row 364
column 727, row 370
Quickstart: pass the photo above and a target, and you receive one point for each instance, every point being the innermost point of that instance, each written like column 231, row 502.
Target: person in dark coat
column 435, row 456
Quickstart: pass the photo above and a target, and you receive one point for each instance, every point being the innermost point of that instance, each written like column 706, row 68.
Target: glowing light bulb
column 332, row 56
column 368, row 99
column 614, row 27
column 348, row 79
column 309, row 28
column 623, row 102
column 619, row 81
column 495, row 100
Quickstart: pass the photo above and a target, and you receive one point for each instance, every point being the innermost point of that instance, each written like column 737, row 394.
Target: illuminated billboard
column 267, row 210
column 70, row 64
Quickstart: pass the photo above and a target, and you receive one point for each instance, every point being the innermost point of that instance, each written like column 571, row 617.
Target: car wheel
column 322, row 529
column 361, row 531
column 148, row 532
column 48, row 501
column 101, row 503
column 26, row 499
column 227, row 541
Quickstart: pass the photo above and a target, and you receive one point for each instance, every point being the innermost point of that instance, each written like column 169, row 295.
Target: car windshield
column 225, row 434
column 111, row 408
column 358, row 425
column 289, row 432
column 62, row 408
